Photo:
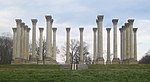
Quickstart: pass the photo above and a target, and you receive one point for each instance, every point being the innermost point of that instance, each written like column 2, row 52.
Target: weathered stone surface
column 99, row 21
column 68, row 46
column 108, row 46
column 100, row 60
column 94, row 45
column 81, row 45
column 115, row 61
column 49, row 60
column 115, row 21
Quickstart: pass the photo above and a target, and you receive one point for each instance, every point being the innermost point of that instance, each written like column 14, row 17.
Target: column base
column 115, row 61
column 67, row 62
column 133, row 61
column 33, row 61
column 18, row 61
column 108, row 62
column 40, row 62
column 81, row 62
column 100, row 60
column 49, row 60
column 124, row 62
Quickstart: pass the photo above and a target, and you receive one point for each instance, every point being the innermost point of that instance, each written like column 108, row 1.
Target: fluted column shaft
column 108, row 46
column 25, row 42
column 18, row 22
column 54, row 43
column 121, row 43
column 94, row 45
column 68, row 46
column 49, row 36
column 135, row 43
column 127, row 41
column 22, row 40
column 115, row 21
column 27, row 55
column 99, row 21
column 14, row 42
column 81, row 45
column 41, row 44
column 131, row 38
column 124, row 44
column 34, row 21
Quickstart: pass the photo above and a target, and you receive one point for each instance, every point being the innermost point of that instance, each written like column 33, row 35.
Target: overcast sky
column 79, row 13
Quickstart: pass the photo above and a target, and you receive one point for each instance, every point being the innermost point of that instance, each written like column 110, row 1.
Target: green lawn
column 95, row 73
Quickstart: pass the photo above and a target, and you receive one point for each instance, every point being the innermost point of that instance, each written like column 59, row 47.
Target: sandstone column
column 41, row 44
column 121, row 44
column 14, row 42
column 68, row 46
column 81, row 46
column 135, row 43
column 27, row 55
column 25, row 42
column 108, row 46
column 127, row 42
column 124, row 40
column 131, row 60
column 115, row 59
column 54, row 43
column 22, row 41
column 34, row 21
column 94, row 46
column 18, row 22
column 100, row 59
column 49, row 21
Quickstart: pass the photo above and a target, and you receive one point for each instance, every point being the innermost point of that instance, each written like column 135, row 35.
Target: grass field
column 95, row 73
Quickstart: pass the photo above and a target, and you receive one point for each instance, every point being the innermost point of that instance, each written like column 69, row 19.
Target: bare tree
column 6, row 46
column 145, row 59
column 44, row 49
column 75, row 51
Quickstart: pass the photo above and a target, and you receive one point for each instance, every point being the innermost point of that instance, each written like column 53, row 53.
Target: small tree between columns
column 75, row 52
column 44, row 50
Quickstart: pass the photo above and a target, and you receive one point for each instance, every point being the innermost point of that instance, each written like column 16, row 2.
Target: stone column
column 34, row 59
column 127, row 43
column 121, row 44
column 49, row 21
column 68, row 46
column 28, row 31
column 22, row 41
column 115, row 59
column 41, row 44
column 94, row 46
column 124, row 40
column 25, row 42
column 135, row 43
column 108, row 46
column 100, row 59
column 54, row 43
column 81, row 46
column 131, row 60
column 14, row 42
column 18, row 22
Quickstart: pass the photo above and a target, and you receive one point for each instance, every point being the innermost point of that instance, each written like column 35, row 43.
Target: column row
column 21, row 44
